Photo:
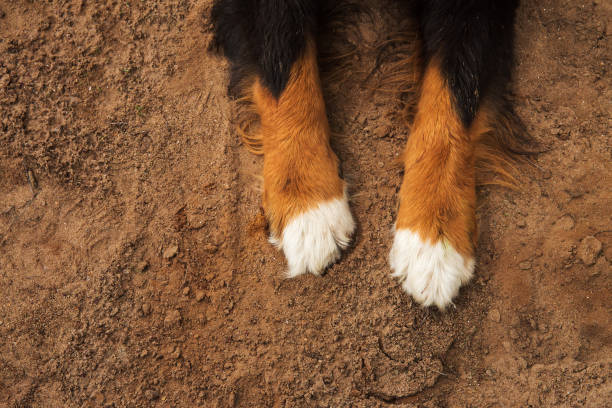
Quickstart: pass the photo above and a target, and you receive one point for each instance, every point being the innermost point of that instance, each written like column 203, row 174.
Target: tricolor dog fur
column 466, row 51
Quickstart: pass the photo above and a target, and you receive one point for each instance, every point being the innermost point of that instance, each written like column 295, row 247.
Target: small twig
column 32, row 181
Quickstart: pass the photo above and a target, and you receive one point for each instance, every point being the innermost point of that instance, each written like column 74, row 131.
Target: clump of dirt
column 135, row 270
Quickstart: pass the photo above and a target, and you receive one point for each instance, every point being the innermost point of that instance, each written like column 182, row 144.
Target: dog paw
column 431, row 273
column 313, row 239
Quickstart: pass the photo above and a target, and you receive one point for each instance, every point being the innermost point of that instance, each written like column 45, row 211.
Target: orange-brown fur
column 300, row 168
column 438, row 195
column 501, row 144
column 500, row 139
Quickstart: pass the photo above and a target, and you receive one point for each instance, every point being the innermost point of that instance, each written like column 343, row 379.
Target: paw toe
column 312, row 240
column 431, row 273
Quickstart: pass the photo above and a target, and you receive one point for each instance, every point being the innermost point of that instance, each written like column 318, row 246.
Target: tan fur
column 438, row 196
column 300, row 168
column 500, row 136
column 400, row 67
column 501, row 145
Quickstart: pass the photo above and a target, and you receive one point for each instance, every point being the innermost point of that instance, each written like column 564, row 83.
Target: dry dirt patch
column 134, row 270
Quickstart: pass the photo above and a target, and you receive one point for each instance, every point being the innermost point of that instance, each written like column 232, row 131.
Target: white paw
column 312, row 240
column 431, row 273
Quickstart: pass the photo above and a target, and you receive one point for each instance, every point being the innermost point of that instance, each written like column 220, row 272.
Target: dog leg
column 304, row 199
column 465, row 46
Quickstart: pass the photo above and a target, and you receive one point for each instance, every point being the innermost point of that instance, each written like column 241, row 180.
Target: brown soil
column 134, row 266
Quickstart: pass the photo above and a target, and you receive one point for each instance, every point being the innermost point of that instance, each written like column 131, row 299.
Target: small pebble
column 381, row 132
column 600, row 267
column 170, row 252
column 210, row 248
column 232, row 399
column 607, row 252
column 494, row 315
column 589, row 250
column 144, row 353
column 146, row 308
column 199, row 295
column 98, row 397
column 151, row 395
column 172, row 318
column 186, row 291
column 533, row 324
column 142, row 265
column 566, row 223
column 524, row 266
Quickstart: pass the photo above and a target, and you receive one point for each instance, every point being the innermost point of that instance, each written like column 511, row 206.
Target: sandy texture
column 134, row 266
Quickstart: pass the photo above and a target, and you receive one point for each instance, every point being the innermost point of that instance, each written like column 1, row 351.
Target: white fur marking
column 431, row 273
column 312, row 240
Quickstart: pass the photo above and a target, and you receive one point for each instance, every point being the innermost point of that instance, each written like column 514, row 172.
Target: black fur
column 473, row 40
column 265, row 36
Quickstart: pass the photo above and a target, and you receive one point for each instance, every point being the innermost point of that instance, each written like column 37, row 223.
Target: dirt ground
column 134, row 266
